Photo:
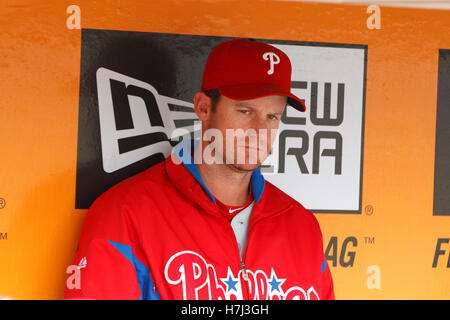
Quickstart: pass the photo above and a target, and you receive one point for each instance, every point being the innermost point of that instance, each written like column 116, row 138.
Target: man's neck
column 227, row 183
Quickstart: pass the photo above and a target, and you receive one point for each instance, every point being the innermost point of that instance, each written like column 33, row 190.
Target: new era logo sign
column 136, row 93
column 135, row 120
column 132, row 107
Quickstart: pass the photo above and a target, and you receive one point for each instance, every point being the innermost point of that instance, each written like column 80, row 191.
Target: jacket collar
column 183, row 151
column 184, row 174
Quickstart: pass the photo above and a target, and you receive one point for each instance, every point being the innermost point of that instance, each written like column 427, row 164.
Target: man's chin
column 244, row 167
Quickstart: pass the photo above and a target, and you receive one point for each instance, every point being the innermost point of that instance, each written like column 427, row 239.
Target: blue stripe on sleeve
column 143, row 273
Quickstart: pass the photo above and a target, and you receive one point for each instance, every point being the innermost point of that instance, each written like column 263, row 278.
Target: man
column 204, row 224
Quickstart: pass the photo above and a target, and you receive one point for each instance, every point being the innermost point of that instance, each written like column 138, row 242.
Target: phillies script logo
column 199, row 281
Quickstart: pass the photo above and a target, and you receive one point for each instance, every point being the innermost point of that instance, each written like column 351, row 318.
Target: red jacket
column 160, row 235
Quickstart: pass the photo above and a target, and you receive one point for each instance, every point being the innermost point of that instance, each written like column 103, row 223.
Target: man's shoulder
column 297, row 210
column 144, row 182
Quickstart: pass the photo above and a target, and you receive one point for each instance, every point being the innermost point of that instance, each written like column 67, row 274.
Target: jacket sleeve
column 327, row 282
column 109, row 263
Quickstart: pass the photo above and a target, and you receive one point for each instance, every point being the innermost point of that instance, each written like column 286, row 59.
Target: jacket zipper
column 249, row 234
column 246, row 289
column 244, row 271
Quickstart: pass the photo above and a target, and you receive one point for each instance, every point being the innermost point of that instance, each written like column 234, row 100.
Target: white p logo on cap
column 273, row 60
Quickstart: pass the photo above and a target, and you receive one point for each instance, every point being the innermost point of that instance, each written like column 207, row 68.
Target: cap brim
column 257, row 90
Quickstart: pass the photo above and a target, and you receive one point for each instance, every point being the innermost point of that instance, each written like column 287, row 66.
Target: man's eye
column 272, row 117
column 244, row 111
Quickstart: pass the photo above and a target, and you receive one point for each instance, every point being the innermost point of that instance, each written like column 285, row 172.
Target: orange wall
column 40, row 69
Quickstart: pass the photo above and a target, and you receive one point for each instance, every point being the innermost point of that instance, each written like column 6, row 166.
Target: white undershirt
column 239, row 223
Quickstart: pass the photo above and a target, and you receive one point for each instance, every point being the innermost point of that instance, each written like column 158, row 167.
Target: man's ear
column 202, row 105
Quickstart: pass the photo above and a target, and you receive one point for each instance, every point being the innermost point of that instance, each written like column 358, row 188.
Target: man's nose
column 259, row 135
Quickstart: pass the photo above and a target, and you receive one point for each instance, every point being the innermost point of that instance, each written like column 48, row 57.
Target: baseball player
column 215, row 228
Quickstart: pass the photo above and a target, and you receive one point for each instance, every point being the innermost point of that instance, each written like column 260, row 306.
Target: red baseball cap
column 244, row 69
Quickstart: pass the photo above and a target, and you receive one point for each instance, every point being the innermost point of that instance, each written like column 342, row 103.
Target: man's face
column 248, row 129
